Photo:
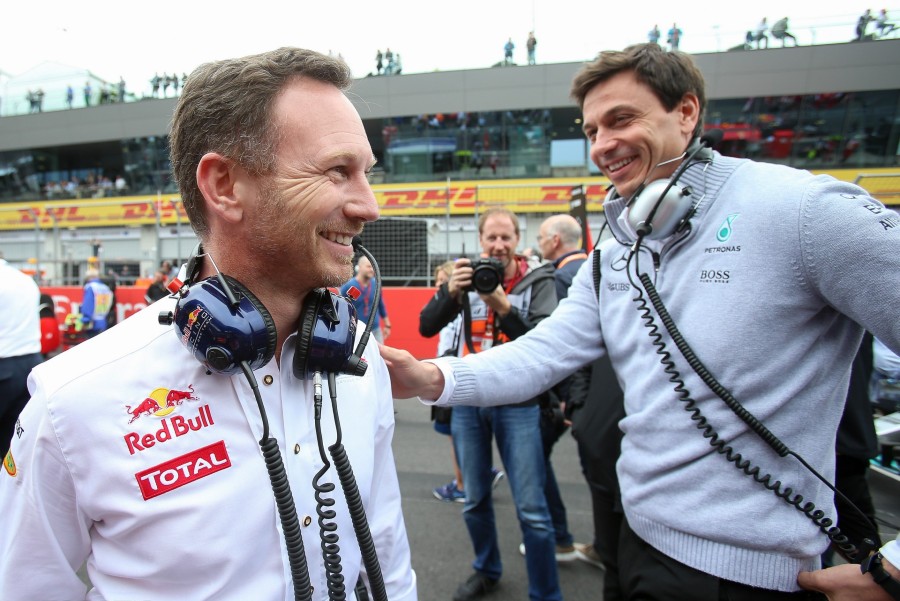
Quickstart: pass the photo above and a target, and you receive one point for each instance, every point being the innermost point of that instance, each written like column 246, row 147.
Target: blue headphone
column 224, row 326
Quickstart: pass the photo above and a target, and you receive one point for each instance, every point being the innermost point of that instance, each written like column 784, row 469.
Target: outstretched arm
column 411, row 377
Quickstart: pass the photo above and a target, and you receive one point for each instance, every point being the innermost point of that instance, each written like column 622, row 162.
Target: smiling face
column 630, row 131
column 319, row 196
column 499, row 240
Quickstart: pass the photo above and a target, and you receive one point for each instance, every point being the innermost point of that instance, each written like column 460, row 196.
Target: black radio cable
column 331, row 550
column 817, row 516
column 284, row 499
column 354, row 502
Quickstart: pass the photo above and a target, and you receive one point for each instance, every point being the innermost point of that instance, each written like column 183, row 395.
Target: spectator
column 882, row 24
column 366, row 311
column 508, row 52
column 70, row 96
column 448, row 345
column 524, row 296
column 780, row 31
column 121, row 89
column 760, row 34
column 673, row 546
column 674, row 37
column 856, row 445
column 87, row 93
column 157, row 288
column 653, row 35
column 169, row 269
column 379, row 65
column 103, row 491
column 20, row 346
column 96, row 303
column 862, row 24
column 166, row 81
column 389, row 62
column 530, row 45
column 885, row 385
column 398, row 64
column 175, row 83
column 477, row 161
column 121, row 185
column 560, row 242
column 154, row 85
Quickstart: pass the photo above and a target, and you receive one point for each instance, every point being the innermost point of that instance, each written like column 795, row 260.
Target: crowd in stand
column 92, row 187
column 388, row 63
column 163, row 83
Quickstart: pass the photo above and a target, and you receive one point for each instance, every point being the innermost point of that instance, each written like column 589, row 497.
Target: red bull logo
column 160, row 402
column 182, row 470
column 170, row 428
column 192, row 318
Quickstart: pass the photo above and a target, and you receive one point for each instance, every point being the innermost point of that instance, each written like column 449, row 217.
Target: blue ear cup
column 220, row 336
column 326, row 335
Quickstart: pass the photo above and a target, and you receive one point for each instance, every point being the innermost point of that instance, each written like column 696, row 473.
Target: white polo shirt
column 20, row 326
column 175, row 502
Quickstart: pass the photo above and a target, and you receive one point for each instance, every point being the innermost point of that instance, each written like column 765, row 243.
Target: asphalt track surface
column 441, row 551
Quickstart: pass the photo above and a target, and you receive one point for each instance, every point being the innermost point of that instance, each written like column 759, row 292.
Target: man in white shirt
column 20, row 345
column 150, row 454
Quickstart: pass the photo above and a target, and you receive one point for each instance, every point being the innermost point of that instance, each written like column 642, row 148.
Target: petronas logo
column 724, row 232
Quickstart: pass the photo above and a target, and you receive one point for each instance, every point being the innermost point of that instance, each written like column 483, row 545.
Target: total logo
column 182, row 470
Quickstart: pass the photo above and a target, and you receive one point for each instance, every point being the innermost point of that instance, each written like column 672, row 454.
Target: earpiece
column 219, row 334
column 670, row 202
column 326, row 335
column 657, row 209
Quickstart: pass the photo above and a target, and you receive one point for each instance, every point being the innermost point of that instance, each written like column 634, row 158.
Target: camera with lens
column 487, row 274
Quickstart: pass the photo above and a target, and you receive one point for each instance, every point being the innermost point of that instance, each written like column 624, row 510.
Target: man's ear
column 218, row 179
column 689, row 112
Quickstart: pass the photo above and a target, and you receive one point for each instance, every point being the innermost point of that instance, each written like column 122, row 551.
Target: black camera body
column 487, row 274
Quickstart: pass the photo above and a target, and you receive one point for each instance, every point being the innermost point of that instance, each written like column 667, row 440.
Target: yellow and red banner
column 551, row 195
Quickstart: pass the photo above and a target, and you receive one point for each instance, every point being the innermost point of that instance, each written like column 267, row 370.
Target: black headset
column 657, row 210
column 224, row 326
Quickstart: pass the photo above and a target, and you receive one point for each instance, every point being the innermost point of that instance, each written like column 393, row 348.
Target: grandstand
column 449, row 144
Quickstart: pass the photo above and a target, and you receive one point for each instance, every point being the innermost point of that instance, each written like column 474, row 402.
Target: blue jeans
column 518, row 435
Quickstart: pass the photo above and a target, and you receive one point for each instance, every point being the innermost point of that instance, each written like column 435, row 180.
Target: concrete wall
column 854, row 66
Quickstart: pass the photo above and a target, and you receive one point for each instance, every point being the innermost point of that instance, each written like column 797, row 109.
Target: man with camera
column 501, row 296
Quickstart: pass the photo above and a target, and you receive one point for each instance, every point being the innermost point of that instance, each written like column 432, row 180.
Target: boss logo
column 719, row 276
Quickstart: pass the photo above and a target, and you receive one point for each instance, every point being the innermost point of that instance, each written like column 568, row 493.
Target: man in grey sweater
column 769, row 274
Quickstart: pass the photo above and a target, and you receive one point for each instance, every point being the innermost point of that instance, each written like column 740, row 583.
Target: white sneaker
column 563, row 554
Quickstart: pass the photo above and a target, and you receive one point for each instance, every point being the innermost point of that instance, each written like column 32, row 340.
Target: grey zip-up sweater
column 769, row 285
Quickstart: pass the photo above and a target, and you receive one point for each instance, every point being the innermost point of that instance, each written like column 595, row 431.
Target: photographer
column 501, row 297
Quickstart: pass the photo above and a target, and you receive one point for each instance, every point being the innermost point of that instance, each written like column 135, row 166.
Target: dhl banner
column 422, row 199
